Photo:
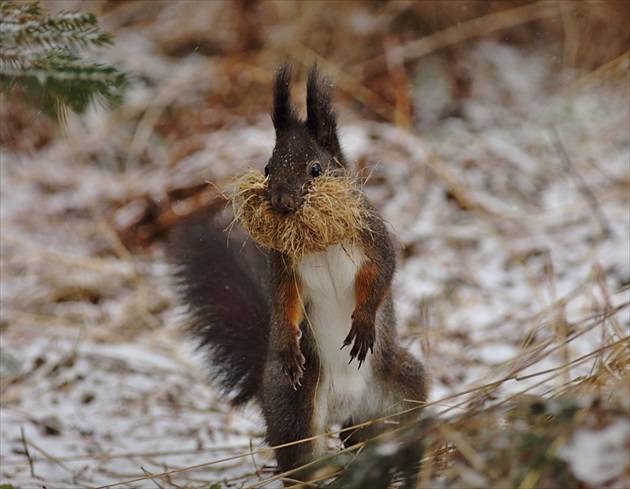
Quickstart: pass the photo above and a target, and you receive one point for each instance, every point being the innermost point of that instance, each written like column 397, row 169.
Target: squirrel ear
column 284, row 113
column 321, row 120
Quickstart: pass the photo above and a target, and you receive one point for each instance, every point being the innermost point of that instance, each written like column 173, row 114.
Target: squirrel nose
column 283, row 202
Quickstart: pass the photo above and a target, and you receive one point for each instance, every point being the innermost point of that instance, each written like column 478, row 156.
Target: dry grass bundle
column 332, row 213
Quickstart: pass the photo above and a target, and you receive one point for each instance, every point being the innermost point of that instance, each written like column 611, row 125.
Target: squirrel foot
column 363, row 334
column 292, row 361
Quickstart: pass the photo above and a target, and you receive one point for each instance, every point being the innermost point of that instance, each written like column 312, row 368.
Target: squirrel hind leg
column 290, row 416
column 412, row 384
column 351, row 437
column 406, row 395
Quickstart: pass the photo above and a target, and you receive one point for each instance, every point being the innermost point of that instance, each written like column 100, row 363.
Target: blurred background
column 408, row 63
column 492, row 135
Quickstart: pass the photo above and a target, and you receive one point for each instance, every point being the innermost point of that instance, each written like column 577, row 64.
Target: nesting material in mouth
column 332, row 213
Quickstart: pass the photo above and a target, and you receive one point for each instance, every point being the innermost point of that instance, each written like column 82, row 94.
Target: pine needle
column 41, row 56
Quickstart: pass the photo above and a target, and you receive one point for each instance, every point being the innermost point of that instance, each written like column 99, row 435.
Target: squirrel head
column 304, row 150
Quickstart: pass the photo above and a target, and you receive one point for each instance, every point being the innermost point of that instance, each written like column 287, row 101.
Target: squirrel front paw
column 292, row 361
column 363, row 334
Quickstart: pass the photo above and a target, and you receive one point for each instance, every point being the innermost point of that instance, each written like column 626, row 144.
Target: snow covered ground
column 515, row 223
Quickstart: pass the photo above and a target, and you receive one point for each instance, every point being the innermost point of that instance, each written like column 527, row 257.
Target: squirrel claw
column 294, row 379
column 347, row 341
column 293, row 364
column 362, row 338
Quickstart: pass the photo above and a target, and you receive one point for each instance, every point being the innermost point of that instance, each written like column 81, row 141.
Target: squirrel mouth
column 285, row 202
column 331, row 212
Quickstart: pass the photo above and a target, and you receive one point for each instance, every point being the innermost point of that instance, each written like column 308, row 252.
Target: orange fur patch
column 366, row 276
column 290, row 304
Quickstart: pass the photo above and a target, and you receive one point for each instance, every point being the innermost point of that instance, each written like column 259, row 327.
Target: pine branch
column 41, row 56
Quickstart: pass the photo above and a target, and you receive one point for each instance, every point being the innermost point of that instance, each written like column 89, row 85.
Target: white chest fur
column 328, row 290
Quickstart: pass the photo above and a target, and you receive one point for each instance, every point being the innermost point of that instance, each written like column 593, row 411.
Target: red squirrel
column 313, row 340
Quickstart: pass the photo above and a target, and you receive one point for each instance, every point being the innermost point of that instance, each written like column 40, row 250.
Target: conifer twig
column 41, row 56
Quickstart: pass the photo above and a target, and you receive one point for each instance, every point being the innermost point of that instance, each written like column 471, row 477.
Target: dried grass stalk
column 332, row 212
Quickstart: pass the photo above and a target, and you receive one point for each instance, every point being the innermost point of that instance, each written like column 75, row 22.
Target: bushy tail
column 223, row 285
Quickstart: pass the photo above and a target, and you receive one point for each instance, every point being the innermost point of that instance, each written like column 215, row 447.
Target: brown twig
column 581, row 184
column 146, row 472
column 31, row 466
column 477, row 27
column 56, row 461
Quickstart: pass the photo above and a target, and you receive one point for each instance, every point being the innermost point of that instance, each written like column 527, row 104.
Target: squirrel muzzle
column 284, row 200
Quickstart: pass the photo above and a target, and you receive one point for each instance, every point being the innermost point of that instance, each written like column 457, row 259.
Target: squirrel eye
column 267, row 170
column 316, row 170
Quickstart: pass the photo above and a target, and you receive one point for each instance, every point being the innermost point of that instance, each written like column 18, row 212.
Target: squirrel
column 313, row 339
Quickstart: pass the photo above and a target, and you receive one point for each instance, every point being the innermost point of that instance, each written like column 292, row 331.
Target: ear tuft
column 321, row 120
column 284, row 113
